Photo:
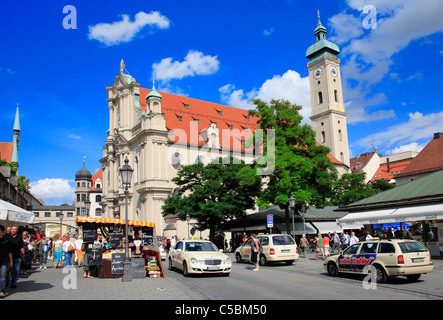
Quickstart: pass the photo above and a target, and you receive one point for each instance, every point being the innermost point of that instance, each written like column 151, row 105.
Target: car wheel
column 238, row 258
column 381, row 276
column 185, row 269
column 413, row 277
column 263, row 261
column 332, row 269
column 170, row 267
column 289, row 262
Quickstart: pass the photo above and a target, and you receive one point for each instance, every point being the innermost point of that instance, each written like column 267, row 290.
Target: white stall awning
column 327, row 226
column 11, row 215
column 403, row 214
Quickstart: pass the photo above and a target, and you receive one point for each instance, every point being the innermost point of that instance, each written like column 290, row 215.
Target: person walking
column 57, row 252
column 5, row 260
column 255, row 249
column 43, row 248
column 320, row 247
column 28, row 245
column 67, row 252
column 326, row 246
column 354, row 239
column 18, row 253
column 78, row 249
column 304, row 244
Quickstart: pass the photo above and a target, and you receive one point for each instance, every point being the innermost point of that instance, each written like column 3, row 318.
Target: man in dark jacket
column 5, row 260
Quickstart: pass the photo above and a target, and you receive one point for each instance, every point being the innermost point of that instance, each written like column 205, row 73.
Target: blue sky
column 220, row 51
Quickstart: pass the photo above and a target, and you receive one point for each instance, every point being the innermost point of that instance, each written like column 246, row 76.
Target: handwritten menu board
column 147, row 236
column 138, row 268
column 94, row 255
column 117, row 263
column 89, row 232
column 115, row 239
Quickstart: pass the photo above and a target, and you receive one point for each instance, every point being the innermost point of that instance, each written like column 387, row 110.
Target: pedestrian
column 320, row 247
column 18, row 253
column 354, row 239
column 5, row 260
column 173, row 242
column 57, row 251
column 67, row 251
column 336, row 245
column 304, row 245
column 78, row 250
column 43, row 248
column 28, row 245
column 326, row 245
column 255, row 249
column 368, row 236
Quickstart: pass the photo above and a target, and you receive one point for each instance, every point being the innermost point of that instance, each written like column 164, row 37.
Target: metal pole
column 293, row 225
column 127, row 275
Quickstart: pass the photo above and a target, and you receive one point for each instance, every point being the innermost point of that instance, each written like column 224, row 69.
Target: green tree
column 301, row 166
column 23, row 183
column 212, row 194
column 351, row 188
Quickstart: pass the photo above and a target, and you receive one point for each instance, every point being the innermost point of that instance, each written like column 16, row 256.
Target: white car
column 162, row 252
column 198, row 257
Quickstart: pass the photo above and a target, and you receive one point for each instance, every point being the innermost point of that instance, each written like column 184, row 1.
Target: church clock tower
column 328, row 114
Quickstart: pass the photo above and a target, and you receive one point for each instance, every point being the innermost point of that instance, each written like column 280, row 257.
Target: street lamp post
column 292, row 206
column 126, row 174
column 188, row 218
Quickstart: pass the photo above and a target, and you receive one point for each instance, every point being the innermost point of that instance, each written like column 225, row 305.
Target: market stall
column 12, row 215
column 105, row 247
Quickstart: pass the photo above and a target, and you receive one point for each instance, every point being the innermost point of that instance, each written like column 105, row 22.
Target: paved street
column 305, row 279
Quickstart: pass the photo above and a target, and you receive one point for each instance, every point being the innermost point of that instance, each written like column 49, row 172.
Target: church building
column 159, row 132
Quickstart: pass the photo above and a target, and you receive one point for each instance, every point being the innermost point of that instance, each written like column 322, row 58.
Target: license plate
column 418, row 260
column 212, row 268
column 285, row 251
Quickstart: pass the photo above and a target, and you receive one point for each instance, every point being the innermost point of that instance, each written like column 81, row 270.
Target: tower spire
column 16, row 137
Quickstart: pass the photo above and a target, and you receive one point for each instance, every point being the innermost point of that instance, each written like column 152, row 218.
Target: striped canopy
column 135, row 223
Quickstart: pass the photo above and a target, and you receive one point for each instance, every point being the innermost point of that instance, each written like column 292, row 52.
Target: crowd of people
column 19, row 251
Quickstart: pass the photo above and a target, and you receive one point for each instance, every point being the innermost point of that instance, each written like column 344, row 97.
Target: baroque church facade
column 159, row 132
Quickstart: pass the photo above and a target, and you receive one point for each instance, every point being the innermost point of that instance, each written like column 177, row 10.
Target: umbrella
column 11, row 215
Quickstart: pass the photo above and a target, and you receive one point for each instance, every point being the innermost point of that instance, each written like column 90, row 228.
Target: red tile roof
column 232, row 121
column 6, row 151
column 429, row 159
column 361, row 161
column 394, row 169
column 98, row 174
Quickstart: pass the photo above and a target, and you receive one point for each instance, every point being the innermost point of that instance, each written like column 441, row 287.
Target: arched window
column 320, row 97
column 340, row 138
column 323, row 137
column 342, row 158
column 176, row 160
column 336, row 95
column 98, row 198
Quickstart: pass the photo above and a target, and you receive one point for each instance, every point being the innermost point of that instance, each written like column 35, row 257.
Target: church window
column 323, row 137
column 340, row 138
column 175, row 160
column 342, row 157
column 320, row 97
column 336, row 95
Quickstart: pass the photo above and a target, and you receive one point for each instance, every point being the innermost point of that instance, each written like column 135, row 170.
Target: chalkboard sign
column 147, row 236
column 94, row 255
column 138, row 268
column 117, row 263
column 89, row 232
column 115, row 239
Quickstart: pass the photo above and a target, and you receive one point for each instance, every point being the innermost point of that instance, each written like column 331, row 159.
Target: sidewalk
column 55, row 284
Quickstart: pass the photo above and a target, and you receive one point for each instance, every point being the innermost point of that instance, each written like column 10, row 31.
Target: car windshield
column 412, row 246
column 200, row 246
column 282, row 240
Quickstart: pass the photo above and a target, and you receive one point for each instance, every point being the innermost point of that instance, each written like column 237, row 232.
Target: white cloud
column 125, row 30
column 56, row 191
column 195, row 63
column 367, row 55
column 414, row 146
column 267, row 32
column 418, row 127
column 289, row 86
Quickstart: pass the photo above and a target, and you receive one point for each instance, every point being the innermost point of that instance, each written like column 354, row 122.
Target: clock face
column 334, row 71
column 317, row 73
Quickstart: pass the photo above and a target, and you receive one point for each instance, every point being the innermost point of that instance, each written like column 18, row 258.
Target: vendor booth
column 104, row 245
column 11, row 215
